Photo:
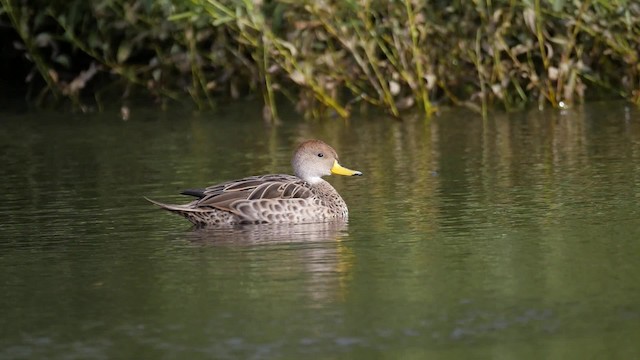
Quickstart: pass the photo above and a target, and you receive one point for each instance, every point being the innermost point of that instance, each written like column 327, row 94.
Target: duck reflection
column 313, row 259
column 269, row 234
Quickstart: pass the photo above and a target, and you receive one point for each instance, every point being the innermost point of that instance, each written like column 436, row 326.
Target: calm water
column 517, row 237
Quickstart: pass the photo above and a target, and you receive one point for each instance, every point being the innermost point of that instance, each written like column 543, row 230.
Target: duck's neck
column 314, row 180
column 322, row 185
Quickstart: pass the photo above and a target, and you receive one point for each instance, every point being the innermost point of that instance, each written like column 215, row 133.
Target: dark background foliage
column 322, row 54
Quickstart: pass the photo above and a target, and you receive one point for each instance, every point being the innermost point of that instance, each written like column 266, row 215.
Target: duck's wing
column 233, row 195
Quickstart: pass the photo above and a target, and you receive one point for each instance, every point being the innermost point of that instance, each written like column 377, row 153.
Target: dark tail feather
column 199, row 193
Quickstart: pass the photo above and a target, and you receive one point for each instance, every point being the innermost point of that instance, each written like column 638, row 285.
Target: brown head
column 314, row 159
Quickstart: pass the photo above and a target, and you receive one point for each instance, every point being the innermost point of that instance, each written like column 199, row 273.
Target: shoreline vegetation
column 325, row 56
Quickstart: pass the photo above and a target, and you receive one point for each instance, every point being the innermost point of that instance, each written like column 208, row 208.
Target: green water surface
column 514, row 237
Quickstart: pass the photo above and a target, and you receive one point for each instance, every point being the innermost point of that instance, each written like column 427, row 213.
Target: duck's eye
column 320, row 154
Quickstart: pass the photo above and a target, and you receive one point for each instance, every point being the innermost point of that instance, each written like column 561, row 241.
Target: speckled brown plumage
column 274, row 198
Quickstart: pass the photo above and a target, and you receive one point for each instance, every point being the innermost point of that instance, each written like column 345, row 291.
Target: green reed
column 329, row 57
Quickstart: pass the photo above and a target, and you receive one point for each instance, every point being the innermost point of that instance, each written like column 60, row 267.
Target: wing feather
column 241, row 196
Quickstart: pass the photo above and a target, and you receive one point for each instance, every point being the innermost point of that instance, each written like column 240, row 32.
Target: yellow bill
column 340, row 170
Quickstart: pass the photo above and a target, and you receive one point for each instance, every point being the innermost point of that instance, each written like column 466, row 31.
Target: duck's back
column 274, row 198
column 272, row 186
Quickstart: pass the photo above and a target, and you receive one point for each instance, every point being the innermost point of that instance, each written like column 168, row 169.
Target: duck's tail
column 199, row 217
column 184, row 210
column 169, row 207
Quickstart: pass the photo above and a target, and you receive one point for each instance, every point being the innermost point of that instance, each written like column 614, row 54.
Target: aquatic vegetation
column 331, row 56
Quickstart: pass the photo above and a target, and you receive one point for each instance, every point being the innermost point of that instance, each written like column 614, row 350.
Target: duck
column 304, row 197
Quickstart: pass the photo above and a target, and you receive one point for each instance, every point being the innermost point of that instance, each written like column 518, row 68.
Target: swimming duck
column 274, row 198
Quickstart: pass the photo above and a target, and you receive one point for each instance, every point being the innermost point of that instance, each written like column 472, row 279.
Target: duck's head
column 314, row 159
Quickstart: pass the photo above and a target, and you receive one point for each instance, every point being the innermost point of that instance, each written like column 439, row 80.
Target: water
column 510, row 238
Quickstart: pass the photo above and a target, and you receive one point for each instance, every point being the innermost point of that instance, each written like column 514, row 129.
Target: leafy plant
column 331, row 56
